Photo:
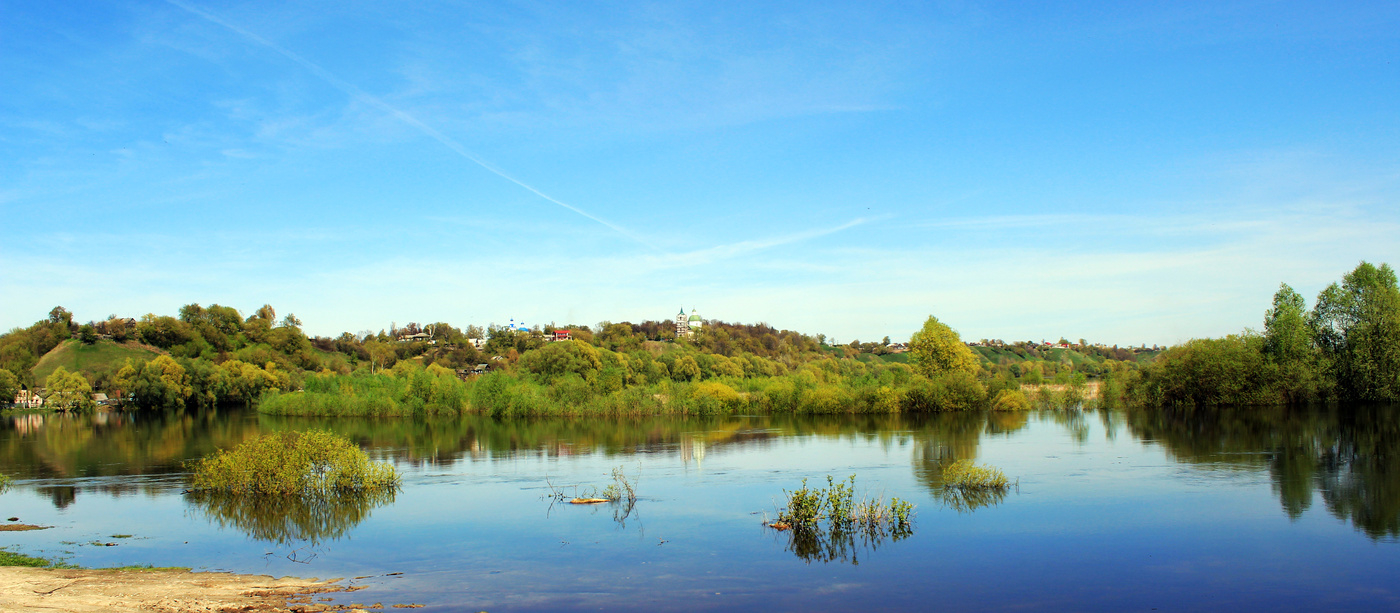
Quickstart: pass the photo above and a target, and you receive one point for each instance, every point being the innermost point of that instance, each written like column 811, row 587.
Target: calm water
column 1250, row 510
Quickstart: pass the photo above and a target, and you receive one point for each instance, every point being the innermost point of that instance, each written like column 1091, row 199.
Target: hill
column 98, row 360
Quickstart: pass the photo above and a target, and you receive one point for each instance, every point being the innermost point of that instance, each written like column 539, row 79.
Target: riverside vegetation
column 1346, row 348
column 209, row 356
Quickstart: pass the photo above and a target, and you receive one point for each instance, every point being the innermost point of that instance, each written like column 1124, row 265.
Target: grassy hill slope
column 104, row 356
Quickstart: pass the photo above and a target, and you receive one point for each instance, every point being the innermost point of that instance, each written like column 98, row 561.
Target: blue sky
column 1122, row 172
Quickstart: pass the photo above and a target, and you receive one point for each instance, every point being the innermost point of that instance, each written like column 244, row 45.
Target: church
column 686, row 326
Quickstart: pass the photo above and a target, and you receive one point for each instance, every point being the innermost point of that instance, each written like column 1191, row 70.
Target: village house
column 26, row 399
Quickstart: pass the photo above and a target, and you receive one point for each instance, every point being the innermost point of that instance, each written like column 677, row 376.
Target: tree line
column 1346, row 348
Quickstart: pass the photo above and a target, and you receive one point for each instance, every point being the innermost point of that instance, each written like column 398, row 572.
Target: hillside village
column 89, row 358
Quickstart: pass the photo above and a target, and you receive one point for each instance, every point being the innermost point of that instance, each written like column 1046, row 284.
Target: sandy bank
column 165, row 591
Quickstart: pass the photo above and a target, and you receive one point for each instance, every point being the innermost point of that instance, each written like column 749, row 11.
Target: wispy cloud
column 360, row 95
column 742, row 248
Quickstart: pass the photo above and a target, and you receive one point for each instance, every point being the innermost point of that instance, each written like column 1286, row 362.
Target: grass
column 10, row 558
column 832, row 524
column 315, row 462
column 836, row 503
column 147, row 567
column 965, row 475
column 104, row 356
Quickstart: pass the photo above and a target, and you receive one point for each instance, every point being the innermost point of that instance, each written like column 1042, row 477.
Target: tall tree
column 65, row 390
column 937, row 349
column 9, row 385
column 1287, row 336
column 159, row 383
column 1357, row 326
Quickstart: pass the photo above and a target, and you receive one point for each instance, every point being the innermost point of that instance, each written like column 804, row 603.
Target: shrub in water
column 293, row 463
column 964, row 474
column 1011, row 400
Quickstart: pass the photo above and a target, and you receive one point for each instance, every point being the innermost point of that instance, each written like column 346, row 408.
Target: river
column 1257, row 509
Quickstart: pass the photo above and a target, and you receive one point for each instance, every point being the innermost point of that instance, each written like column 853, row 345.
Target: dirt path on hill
column 164, row 591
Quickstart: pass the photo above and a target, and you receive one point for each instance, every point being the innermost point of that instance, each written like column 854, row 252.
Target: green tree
column 246, row 382
column 61, row 315
column 163, row 331
column 88, row 334
column 1289, row 346
column 562, row 358
column 938, row 349
column 67, row 390
column 9, row 385
column 1357, row 326
column 159, row 383
column 381, row 355
column 1287, row 335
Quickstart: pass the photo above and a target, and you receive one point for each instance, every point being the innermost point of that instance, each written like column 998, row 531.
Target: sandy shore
column 165, row 591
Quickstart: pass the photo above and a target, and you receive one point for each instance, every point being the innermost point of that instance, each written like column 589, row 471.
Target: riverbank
column 170, row 591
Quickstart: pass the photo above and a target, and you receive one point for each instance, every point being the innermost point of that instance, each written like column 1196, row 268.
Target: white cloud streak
column 360, row 95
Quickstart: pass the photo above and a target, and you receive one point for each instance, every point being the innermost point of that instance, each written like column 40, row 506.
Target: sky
column 1127, row 173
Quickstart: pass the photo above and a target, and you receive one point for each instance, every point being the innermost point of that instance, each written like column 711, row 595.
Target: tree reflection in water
column 1348, row 456
column 290, row 519
column 946, row 438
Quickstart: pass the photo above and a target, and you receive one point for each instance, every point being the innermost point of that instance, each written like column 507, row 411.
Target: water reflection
column 289, row 519
column 1347, row 456
column 104, row 444
column 966, row 500
column 947, row 438
column 842, row 544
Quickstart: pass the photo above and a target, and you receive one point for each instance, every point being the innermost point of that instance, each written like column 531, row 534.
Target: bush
column 1011, row 400
column 963, row 474
column 293, row 463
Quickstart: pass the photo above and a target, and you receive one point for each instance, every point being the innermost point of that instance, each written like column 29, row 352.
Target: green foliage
column 1348, row 347
column 67, row 391
column 937, row 349
column 10, row 558
column 826, row 524
column 1357, row 325
column 159, row 383
column 965, row 475
column 1202, row 372
column 9, row 385
column 1011, row 400
column 837, row 504
column 315, row 462
column 557, row 359
column 956, row 390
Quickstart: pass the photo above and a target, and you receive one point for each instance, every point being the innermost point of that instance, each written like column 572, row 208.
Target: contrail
column 363, row 96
